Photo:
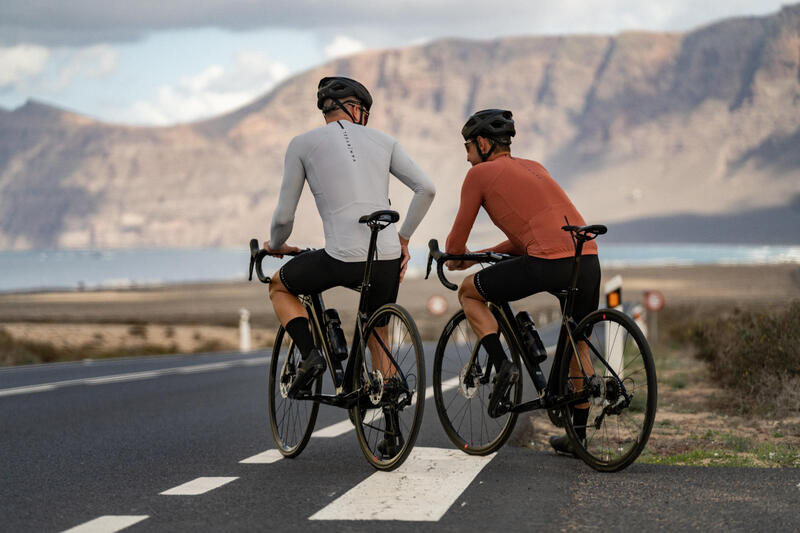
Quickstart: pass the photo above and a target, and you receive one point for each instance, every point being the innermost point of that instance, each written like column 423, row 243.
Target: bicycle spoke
column 623, row 431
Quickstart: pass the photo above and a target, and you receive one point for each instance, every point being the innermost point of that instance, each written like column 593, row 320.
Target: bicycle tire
column 453, row 353
column 291, row 421
column 391, row 419
column 614, row 436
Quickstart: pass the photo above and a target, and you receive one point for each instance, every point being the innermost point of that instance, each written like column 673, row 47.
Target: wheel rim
column 617, row 429
column 462, row 406
column 396, row 417
column 290, row 420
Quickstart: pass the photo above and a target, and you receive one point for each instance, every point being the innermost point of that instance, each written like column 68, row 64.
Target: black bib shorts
column 315, row 272
column 517, row 278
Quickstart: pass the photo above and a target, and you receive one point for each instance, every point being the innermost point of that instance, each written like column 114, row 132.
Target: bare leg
column 474, row 305
column 575, row 369
column 380, row 361
column 287, row 306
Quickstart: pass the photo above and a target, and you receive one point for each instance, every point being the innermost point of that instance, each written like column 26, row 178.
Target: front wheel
column 392, row 384
column 462, row 398
column 622, row 403
column 292, row 421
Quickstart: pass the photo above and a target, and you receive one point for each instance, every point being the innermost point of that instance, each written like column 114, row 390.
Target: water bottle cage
column 532, row 343
column 335, row 335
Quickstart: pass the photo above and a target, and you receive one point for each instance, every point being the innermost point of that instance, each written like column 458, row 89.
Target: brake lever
column 253, row 252
column 430, row 262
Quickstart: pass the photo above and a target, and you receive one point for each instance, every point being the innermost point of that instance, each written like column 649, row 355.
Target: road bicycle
column 613, row 372
column 386, row 406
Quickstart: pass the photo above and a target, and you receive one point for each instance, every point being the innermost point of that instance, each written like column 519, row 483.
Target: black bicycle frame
column 342, row 379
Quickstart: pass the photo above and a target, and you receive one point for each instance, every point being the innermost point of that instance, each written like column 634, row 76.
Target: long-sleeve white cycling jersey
column 347, row 167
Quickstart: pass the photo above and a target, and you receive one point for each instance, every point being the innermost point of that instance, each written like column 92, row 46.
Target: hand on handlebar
column 280, row 252
column 459, row 265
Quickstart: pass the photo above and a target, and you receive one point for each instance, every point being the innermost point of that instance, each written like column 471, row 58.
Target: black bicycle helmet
column 494, row 124
column 338, row 87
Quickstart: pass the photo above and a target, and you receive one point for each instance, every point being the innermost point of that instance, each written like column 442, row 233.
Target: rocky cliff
column 636, row 125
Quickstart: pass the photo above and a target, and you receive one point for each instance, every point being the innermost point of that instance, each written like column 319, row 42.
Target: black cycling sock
column 579, row 418
column 492, row 344
column 301, row 335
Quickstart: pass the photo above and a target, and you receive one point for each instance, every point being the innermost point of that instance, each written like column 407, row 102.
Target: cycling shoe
column 309, row 369
column 393, row 441
column 503, row 381
column 562, row 446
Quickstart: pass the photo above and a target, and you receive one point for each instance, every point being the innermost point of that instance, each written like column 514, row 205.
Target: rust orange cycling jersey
column 525, row 202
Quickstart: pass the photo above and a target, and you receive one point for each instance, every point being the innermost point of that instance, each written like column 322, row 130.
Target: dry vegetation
column 728, row 391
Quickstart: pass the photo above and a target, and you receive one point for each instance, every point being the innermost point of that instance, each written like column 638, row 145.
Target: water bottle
column 530, row 338
column 335, row 334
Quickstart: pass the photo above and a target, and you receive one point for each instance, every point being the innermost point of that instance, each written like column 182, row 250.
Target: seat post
column 371, row 252
column 573, row 282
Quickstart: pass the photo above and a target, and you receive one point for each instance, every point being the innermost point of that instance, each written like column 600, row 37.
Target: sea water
column 93, row 269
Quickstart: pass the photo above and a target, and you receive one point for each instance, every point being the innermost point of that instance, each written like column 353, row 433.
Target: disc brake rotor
column 468, row 392
column 376, row 387
column 287, row 377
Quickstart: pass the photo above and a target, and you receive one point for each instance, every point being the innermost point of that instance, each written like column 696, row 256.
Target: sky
column 149, row 62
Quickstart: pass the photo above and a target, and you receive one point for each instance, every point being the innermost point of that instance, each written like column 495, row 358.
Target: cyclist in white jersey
column 347, row 167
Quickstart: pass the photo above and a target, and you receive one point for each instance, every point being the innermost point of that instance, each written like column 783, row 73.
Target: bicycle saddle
column 384, row 215
column 587, row 232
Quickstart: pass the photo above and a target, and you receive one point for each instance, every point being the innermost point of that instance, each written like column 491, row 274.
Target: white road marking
column 117, row 378
column 451, row 383
column 421, row 490
column 132, row 376
column 264, row 458
column 107, row 524
column 27, row 390
column 340, row 428
column 197, row 486
column 335, row 430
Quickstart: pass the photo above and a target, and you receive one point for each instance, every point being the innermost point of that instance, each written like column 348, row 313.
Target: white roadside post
column 653, row 302
column 614, row 344
column 244, row 330
column 638, row 317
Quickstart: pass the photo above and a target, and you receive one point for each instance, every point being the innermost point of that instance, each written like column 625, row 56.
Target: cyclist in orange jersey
column 527, row 204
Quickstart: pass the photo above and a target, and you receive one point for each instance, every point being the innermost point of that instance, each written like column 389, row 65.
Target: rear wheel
column 462, row 401
column 623, row 407
column 292, row 421
column 390, row 408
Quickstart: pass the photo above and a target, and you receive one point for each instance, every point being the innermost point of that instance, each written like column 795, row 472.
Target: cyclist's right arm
column 294, row 177
column 471, row 200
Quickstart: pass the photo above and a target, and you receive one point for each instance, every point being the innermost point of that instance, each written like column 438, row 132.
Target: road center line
column 198, row 486
column 107, row 524
column 422, row 489
column 132, row 376
column 339, row 428
column 333, row 431
column 263, row 458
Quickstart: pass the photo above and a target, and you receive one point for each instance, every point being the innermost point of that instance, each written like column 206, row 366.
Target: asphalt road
column 81, row 441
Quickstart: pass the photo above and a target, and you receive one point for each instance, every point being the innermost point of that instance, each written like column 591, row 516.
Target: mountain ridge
column 635, row 126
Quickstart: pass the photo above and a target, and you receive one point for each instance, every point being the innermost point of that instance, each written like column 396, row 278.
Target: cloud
column 92, row 21
column 20, row 63
column 342, row 45
column 92, row 62
column 214, row 90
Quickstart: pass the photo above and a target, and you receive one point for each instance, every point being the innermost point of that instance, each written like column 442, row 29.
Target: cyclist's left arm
column 408, row 172
column 294, row 177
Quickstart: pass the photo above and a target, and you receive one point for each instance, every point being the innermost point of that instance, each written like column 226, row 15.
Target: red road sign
column 437, row 305
column 654, row 300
